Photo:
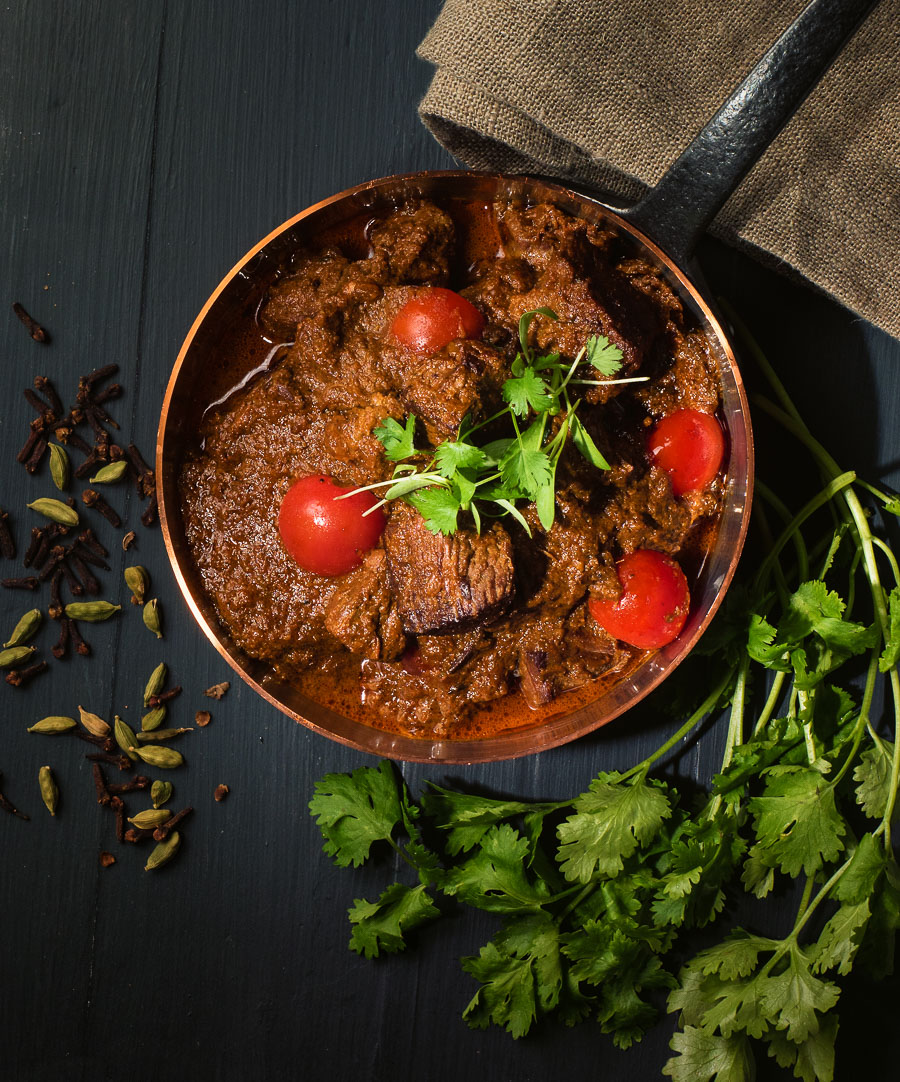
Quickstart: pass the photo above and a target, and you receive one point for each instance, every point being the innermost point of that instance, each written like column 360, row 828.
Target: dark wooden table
column 144, row 147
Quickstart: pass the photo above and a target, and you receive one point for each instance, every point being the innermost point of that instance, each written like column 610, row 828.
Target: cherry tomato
column 325, row 535
column 432, row 319
column 689, row 446
column 654, row 603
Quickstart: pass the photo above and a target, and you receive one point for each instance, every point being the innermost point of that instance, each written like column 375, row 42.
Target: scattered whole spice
column 49, row 789
column 55, row 510
column 156, row 682
column 153, row 719
column 221, row 792
column 150, row 819
column 153, row 618
column 7, row 545
column 164, row 696
column 29, row 582
column 161, row 734
column 161, row 793
column 110, row 473
column 103, row 794
column 202, row 718
column 132, row 786
column 162, row 831
column 163, row 852
column 7, row 806
column 163, row 758
column 92, row 611
column 59, row 466
column 95, row 500
column 217, row 690
column 14, row 655
column 93, row 723
column 128, row 540
column 138, row 581
column 125, row 737
column 105, row 743
column 26, row 628
column 52, row 725
column 18, row 678
column 121, row 761
column 107, row 860
column 37, row 332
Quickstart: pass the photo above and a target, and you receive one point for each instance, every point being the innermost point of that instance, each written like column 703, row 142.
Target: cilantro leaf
column 521, row 975
column 873, row 772
column 495, row 878
column 611, row 820
column 453, row 455
column 525, row 468
column 704, row 1058
column 794, row 997
column 796, row 820
column 587, row 448
column 526, row 392
column 380, row 926
column 603, row 355
column 398, row 442
column 812, row 1059
column 467, row 818
column 438, row 506
column 891, row 653
column 355, row 810
column 840, row 938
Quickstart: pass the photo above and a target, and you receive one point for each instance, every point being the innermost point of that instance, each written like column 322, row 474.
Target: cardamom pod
column 56, row 511
column 113, row 471
column 52, row 725
column 25, row 628
column 161, row 793
column 164, row 758
column 94, row 724
column 153, row 719
column 125, row 737
column 152, row 817
column 92, row 611
column 49, row 789
column 155, row 683
column 59, row 466
column 138, row 582
column 164, row 852
column 160, row 734
column 152, row 618
column 14, row 655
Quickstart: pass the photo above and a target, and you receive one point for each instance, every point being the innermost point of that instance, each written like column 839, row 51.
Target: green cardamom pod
column 59, row 466
column 14, row 656
column 153, row 719
column 138, row 582
column 52, row 724
column 125, row 738
column 56, row 511
column 92, row 611
column 25, row 628
column 156, row 683
column 94, row 724
column 164, row 852
column 161, row 793
column 49, row 789
column 150, row 818
column 160, row 734
column 113, row 471
column 164, row 758
column 152, row 618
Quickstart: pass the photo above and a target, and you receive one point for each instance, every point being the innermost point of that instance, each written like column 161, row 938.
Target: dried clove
column 103, row 796
column 104, row 743
column 118, row 806
column 61, row 647
column 29, row 582
column 95, row 500
column 163, row 697
column 8, row 806
column 20, row 677
column 162, row 832
column 140, row 782
column 37, row 332
column 81, row 647
column 7, row 545
column 121, row 761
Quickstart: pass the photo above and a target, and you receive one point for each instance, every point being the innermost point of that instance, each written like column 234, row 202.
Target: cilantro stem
column 863, row 719
column 795, row 536
column 889, row 555
column 771, row 702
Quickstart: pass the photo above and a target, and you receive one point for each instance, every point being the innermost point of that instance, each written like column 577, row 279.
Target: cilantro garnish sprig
column 494, row 478
column 594, row 892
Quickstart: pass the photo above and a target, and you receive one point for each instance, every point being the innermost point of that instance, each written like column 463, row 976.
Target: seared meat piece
column 647, row 515
column 445, row 583
column 414, row 245
column 360, row 611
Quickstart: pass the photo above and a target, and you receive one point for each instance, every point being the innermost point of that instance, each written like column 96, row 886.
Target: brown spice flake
column 221, row 792
column 202, row 718
column 106, row 859
column 217, row 690
column 128, row 540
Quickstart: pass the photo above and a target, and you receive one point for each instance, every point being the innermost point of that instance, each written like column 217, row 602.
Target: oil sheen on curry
column 441, row 518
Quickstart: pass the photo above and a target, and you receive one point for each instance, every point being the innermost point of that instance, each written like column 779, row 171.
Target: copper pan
column 663, row 227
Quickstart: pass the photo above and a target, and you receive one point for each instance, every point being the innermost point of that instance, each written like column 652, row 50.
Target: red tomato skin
column 432, row 319
column 654, row 603
column 689, row 446
column 325, row 535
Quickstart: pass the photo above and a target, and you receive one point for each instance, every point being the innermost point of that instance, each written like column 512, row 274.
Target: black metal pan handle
column 676, row 212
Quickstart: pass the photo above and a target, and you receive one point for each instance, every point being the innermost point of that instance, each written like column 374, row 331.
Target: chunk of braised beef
column 421, row 702
column 414, row 245
column 535, row 682
column 446, row 583
column 646, row 514
column 324, row 289
column 361, row 612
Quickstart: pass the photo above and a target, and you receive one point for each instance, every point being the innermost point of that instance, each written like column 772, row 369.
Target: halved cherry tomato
column 689, row 446
column 432, row 319
column 654, row 603
column 325, row 535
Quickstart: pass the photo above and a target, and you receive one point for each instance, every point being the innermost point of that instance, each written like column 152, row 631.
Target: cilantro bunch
column 595, row 892
column 491, row 478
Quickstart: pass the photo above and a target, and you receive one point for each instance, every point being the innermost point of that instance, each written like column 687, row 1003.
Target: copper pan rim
column 559, row 728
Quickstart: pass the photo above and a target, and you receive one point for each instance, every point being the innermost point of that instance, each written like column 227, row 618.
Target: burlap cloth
column 609, row 93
